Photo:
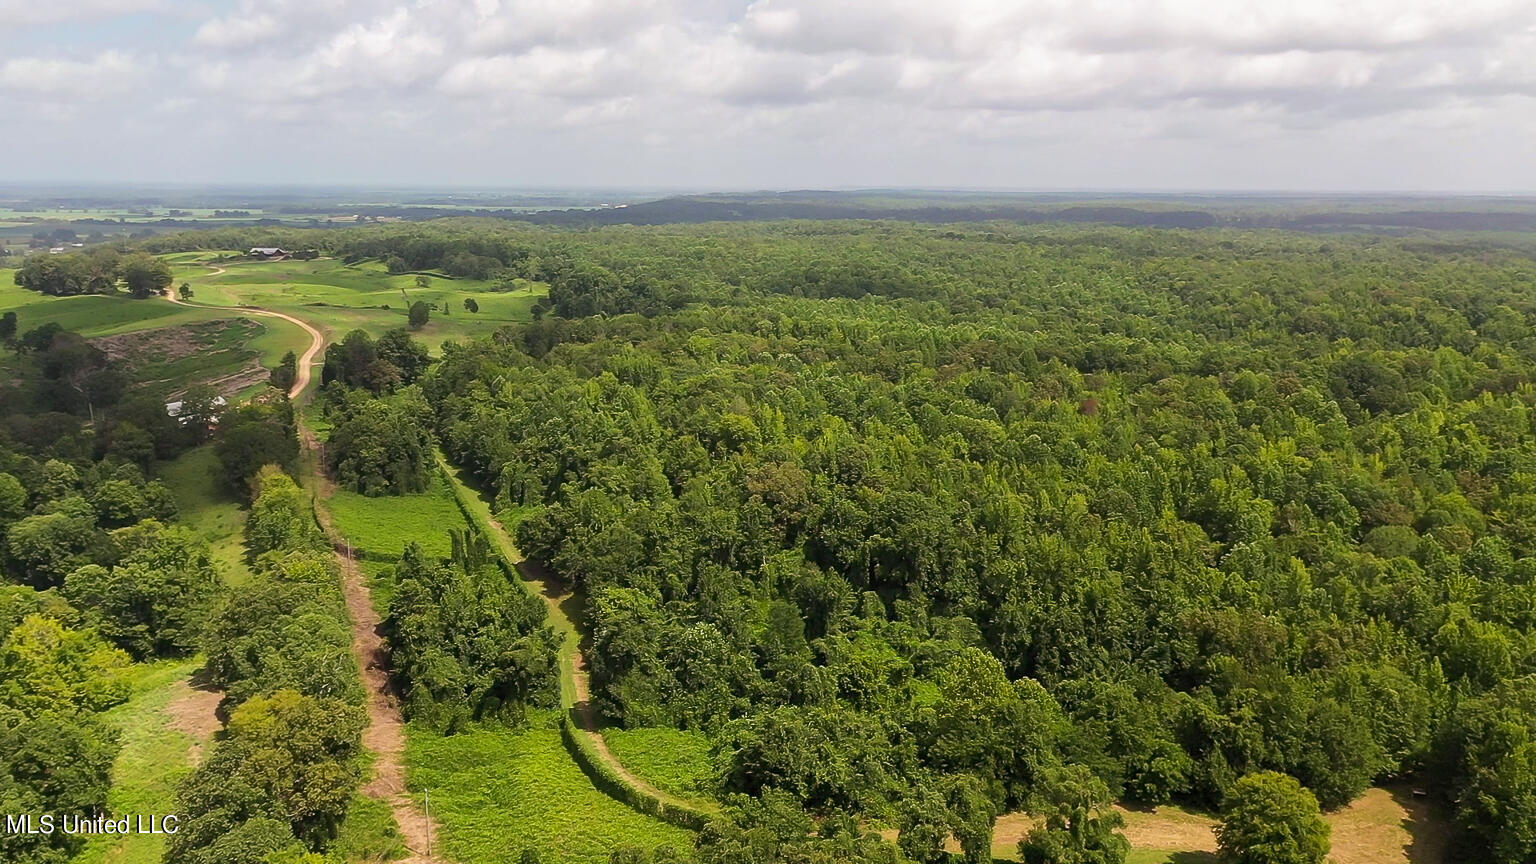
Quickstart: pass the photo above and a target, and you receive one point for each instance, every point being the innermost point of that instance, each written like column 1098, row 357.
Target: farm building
column 268, row 252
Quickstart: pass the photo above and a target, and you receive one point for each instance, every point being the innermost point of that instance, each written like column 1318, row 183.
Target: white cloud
column 21, row 13
column 877, row 84
column 109, row 73
column 237, row 31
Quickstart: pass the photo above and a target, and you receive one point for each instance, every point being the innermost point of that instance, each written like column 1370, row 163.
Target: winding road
column 306, row 361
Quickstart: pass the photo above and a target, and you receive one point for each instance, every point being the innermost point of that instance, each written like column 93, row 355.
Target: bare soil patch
column 195, row 712
column 1383, row 826
column 164, row 343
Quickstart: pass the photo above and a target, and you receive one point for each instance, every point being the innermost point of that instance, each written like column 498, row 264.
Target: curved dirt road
column 306, row 361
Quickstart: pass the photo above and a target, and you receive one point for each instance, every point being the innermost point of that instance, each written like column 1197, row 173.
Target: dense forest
column 96, row 573
column 922, row 525
column 98, row 576
column 1173, row 509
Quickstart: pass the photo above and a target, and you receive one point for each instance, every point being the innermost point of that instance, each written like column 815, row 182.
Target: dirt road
column 306, row 361
column 385, row 735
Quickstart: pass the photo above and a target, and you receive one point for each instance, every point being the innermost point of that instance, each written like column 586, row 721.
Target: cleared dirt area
column 171, row 359
column 1169, row 828
column 194, row 711
column 164, row 343
column 1383, row 826
column 1388, row 826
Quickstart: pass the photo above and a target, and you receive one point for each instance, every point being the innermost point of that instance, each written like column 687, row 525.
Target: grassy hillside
column 339, row 297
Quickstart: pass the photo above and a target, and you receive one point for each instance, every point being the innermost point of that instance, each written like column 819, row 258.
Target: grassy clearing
column 1389, row 826
column 1382, row 826
column 153, row 760
column 498, row 792
column 209, row 510
column 94, row 314
column 672, row 760
column 381, row 527
column 338, row 297
column 368, row 834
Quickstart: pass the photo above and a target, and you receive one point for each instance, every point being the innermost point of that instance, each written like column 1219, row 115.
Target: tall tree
column 145, row 275
column 419, row 314
column 1269, row 818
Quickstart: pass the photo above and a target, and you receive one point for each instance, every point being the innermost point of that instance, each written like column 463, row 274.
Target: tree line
column 95, row 575
column 98, row 270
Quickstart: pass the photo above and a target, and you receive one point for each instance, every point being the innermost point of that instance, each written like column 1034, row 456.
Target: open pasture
column 380, row 527
column 93, row 314
column 339, row 297
column 497, row 792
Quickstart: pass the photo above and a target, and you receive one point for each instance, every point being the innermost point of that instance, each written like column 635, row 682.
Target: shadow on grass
column 1426, row 824
column 1193, row 858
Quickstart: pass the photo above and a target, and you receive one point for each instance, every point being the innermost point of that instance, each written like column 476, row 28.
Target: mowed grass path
column 672, row 760
column 208, row 510
column 155, row 756
column 498, row 792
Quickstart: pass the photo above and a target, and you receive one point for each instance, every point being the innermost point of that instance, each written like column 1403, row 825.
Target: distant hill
column 1374, row 215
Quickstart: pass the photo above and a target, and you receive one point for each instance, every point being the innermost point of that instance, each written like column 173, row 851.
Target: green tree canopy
column 1269, row 818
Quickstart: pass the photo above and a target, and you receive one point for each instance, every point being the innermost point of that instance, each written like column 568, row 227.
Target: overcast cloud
column 1143, row 94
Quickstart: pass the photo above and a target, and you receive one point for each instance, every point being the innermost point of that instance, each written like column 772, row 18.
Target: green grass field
column 382, row 526
column 672, row 760
column 92, row 314
column 1155, row 856
column 154, row 758
column 228, row 351
column 339, row 297
column 208, row 510
column 497, row 792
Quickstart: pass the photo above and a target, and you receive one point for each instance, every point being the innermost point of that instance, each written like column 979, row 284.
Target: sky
column 1314, row 95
